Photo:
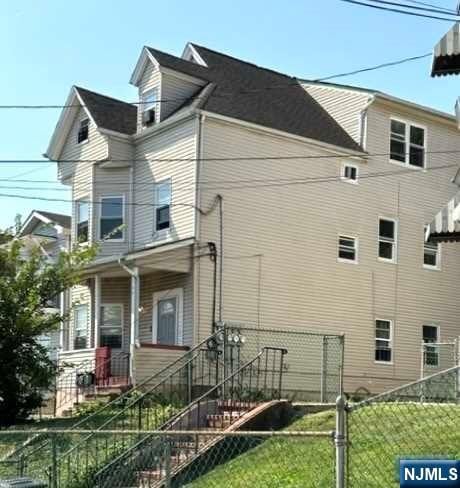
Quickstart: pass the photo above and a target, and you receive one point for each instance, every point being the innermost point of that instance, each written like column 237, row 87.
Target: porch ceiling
column 173, row 257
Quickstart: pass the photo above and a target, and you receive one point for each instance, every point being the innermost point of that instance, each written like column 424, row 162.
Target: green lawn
column 378, row 435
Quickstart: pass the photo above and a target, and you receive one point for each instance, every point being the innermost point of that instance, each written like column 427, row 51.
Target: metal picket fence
column 421, row 419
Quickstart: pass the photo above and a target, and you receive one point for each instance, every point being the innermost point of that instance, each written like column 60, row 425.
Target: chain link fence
column 438, row 356
column 421, row 419
column 193, row 459
column 313, row 365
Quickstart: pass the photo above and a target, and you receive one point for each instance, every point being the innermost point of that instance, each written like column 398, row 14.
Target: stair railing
column 177, row 385
column 257, row 381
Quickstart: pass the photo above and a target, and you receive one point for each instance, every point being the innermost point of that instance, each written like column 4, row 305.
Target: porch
column 138, row 307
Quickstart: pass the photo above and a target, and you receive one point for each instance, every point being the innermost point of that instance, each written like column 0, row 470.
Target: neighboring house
column 50, row 232
column 342, row 256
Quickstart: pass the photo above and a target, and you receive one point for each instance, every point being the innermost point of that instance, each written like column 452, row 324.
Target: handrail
column 193, row 404
column 177, row 369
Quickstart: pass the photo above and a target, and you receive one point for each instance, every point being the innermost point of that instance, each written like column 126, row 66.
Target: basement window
column 83, row 131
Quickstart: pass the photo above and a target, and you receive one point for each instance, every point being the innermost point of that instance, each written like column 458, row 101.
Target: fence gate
column 421, row 419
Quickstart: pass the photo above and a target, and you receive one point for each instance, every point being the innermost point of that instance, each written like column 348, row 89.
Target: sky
column 48, row 46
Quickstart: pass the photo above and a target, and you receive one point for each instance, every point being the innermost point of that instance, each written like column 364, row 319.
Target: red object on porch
column 102, row 370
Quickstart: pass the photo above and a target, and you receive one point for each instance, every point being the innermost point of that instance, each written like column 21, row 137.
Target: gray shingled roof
column 248, row 92
column 60, row 219
column 110, row 113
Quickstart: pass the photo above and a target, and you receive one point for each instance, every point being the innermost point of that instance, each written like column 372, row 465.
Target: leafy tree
column 26, row 285
column 5, row 236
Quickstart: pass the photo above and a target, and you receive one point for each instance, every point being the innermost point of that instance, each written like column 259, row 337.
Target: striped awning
column 446, row 56
column 446, row 225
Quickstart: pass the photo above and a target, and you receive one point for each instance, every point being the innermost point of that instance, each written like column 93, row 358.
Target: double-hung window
column 430, row 353
column 82, row 217
column 407, row 144
column 383, row 340
column 111, row 328
column 431, row 254
column 348, row 249
column 112, row 217
column 387, row 240
column 80, row 323
column 163, row 205
column 83, row 131
column 148, row 105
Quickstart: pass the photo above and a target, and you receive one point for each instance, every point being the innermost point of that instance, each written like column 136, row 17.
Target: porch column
column 97, row 309
column 134, row 332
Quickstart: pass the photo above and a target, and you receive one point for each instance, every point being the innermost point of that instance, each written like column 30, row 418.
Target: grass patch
column 378, row 435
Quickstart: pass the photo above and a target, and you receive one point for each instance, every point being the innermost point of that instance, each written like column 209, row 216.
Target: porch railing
column 257, row 381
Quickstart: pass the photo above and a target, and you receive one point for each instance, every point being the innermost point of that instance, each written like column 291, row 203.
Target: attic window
column 83, row 131
column 148, row 105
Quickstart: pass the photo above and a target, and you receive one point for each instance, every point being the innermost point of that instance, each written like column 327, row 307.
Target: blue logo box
column 429, row 473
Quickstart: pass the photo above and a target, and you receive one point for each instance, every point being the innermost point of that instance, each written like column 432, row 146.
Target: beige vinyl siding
column 118, row 291
column 177, row 142
column 345, row 106
column 280, row 248
column 150, row 80
column 149, row 361
column 113, row 182
column 95, row 148
column 162, row 281
column 176, row 91
column 121, row 151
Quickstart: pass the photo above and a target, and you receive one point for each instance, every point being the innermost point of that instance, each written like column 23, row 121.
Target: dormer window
column 83, row 131
column 148, row 106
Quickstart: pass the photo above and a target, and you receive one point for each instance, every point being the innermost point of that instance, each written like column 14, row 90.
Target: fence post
column 167, row 455
column 54, row 481
column 324, row 370
column 340, row 441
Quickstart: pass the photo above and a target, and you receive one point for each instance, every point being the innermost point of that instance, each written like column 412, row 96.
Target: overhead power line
column 294, row 84
column 298, row 181
column 447, row 10
column 399, row 11
column 221, row 159
column 431, row 9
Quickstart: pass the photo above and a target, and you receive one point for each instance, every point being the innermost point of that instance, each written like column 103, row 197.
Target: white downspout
column 134, row 330
column 97, row 309
column 363, row 123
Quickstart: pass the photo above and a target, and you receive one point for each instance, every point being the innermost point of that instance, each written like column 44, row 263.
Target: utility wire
column 219, row 183
column 447, row 10
column 355, row 2
column 294, row 84
column 363, row 155
column 325, row 179
column 423, row 9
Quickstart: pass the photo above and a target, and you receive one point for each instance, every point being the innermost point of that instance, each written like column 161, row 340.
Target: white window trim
column 108, row 326
column 348, row 261
column 390, row 341
column 394, row 260
column 86, row 199
column 407, row 144
column 123, row 214
column 156, row 106
column 74, row 329
column 162, row 295
column 438, row 340
column 85, row 141
column 348, row 180
column 438, row 266
column 163, row 233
